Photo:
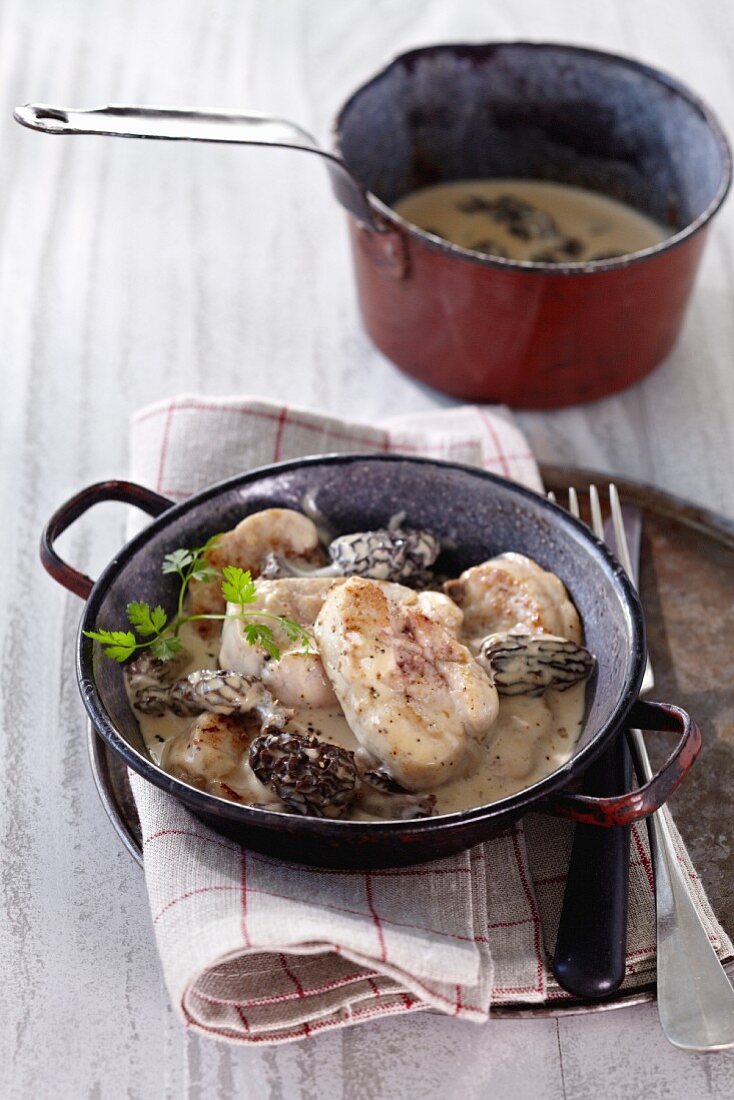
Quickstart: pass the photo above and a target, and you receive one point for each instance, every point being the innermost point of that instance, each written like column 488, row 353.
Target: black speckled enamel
column 476, row 515
column 536, row 111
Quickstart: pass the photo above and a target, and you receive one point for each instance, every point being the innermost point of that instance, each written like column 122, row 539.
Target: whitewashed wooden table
column 132, row 270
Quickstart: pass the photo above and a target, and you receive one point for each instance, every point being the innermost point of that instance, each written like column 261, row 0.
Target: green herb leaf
column 166, row 648
column 118, row 644
column 139, row 616
column 119, row 653
column 177, row 561
column 259, row 634
column 111, row 637
column 159, row 618
column 161, row 637
column 145, row 620
column 205, row 573
column 296, row 632
column 238, row 585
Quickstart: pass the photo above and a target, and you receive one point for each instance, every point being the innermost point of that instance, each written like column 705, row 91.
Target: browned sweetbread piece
column 281, row 531
column 511, row 591
column 211, row 754
column 296, row 678
column 412, row 694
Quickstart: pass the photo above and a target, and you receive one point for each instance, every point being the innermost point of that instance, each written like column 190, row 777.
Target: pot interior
column 475, row 515
column 536, row 111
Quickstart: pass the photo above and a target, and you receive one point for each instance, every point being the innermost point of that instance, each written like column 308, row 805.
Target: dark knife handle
column 589, row 958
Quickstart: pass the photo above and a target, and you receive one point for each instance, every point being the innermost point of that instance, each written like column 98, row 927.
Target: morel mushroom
column 380, row 795
column 387, row 554
column 149, row 681
column 520, row 218
column 309, row 776
column 530, row 664
column 225, row 693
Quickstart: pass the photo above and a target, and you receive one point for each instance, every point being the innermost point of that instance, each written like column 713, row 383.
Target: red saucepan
column 527, row 334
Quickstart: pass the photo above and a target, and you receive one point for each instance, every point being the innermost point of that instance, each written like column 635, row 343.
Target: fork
column 695, row 997
column 589, row 957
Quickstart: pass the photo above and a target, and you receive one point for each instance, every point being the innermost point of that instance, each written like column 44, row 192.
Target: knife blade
column 695, row 997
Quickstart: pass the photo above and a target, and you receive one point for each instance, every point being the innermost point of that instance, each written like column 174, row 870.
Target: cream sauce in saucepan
column 531, row 220
column 530, row 738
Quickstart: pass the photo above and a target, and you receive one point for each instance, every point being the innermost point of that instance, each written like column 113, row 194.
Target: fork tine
column 623, row 554
column 551, row 496
column 573, row 503
column 597, row 522
column 620, row 536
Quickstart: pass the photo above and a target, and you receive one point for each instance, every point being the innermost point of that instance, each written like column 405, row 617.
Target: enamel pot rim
column 392, row 219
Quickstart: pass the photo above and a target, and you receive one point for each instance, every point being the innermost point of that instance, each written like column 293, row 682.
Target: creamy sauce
column 530, row 738
column 530, row 220
column 157, row 729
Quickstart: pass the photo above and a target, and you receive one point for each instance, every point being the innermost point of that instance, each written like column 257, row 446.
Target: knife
column 590, row 952
column 695, row 997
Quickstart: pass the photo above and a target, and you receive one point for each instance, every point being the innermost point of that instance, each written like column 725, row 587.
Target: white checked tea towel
column 257, row 951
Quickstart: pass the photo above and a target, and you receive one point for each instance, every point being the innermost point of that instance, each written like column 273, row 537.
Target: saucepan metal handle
column 623, row 809
column 125, row 491
column 176, row 124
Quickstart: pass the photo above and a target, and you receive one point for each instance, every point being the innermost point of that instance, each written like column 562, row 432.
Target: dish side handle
column 634, row 805
column 127, row 492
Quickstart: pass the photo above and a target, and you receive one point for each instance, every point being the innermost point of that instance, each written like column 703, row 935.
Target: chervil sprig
column 144, row 620
column 155, row 632
column 238, row 585
column 119, row 644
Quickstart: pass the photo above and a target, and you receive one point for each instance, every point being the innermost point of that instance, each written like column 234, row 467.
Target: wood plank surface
column 132, row 270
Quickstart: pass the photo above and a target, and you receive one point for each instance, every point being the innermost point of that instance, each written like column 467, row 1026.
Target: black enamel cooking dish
column 477, row 515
